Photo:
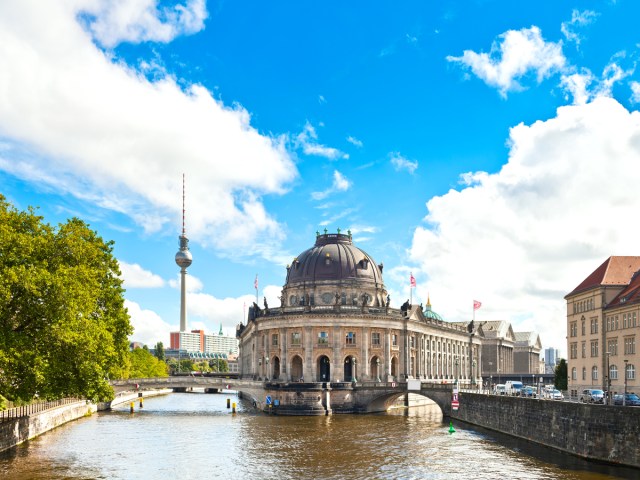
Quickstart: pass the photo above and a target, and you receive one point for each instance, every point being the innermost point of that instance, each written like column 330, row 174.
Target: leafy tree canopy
column 63, row 325
column 560, row 380
column 145, row 365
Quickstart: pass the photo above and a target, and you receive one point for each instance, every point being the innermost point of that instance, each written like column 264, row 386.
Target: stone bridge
column 304, row 398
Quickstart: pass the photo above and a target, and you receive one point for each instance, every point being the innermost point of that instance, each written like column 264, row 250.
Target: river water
column 194, row 436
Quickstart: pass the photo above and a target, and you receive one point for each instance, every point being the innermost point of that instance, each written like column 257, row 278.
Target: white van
column 513, row 387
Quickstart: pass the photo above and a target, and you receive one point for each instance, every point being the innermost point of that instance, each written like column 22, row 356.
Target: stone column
column 308, row 369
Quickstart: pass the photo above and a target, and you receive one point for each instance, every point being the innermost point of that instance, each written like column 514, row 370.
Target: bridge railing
column 36, row 407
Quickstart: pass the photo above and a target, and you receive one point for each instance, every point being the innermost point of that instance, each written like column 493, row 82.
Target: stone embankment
column 16, row 430
column 595, row 432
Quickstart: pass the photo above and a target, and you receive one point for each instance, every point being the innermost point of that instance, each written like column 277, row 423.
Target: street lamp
column 624, row 399
column 608, row 380
column 377, row 369
column 473, row 369
column 353, row 375
column 456, row 363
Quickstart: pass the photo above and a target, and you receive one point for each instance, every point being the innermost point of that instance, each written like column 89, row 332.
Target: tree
column 145, row 365
column 560, row 380
column 160, row 351
column 63, row 325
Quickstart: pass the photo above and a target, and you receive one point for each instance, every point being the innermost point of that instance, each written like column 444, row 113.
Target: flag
column 476, row 304
column 412, row 280
column 255, row 282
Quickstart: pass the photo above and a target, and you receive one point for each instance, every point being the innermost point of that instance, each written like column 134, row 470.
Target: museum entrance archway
column 276, row 367
column 394, row 368
column 296, row 369
column 324, row 369
column 375, row 368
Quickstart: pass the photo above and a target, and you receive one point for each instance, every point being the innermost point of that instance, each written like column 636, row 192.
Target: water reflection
column 195, row 436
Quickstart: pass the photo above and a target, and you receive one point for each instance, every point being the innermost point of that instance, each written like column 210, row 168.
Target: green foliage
column 560, row 380
column 219, row 365
column 63, row 326
column 145, row 365
column 160, row 351
column 4, row 403
column 202, row 367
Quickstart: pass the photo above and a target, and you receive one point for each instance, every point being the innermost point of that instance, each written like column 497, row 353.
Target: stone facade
column 603, row 325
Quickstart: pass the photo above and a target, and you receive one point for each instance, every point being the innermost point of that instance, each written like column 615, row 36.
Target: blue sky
column 492, row 148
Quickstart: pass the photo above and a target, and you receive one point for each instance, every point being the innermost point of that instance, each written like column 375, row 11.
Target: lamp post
column 377, row 369
column 353, row 375
column 473, row 369
column 608, row 380
column 624, row 398
column 456, row 364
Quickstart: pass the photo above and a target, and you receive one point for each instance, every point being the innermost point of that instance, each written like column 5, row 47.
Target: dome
column 334, row 258
column 334, row 271
column 428, row 313
column 184, row 258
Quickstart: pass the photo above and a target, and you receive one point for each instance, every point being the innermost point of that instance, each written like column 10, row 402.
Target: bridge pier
column 212, row 390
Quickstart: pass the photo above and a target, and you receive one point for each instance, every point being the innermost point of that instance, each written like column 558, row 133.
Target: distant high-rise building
column 551, row 358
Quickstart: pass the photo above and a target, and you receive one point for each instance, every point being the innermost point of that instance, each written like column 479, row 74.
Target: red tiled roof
column 614, row 271
column 631, row 294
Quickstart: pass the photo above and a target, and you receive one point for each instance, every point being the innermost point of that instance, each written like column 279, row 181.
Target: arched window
column 631, row 372
column 594, row 373
column 574, row 373
column 613, row 372
column 584, row 373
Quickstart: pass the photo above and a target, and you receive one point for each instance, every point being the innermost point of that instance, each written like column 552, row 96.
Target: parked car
column 553, row 394
column 528, row 392
column 592, row 395
column 500, row 389
column 631, row 399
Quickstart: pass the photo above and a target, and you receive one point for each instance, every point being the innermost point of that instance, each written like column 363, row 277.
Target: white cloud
column 340, row 184
column 401, row 163
column 583, row 86
column 635, row 92
column 307, row 140
column 135, row 276
column 354, row 141
column 514, row 55
column 82, row 123
column 321, row 99
column 521, row 239
column 135, row 21
column 148, row 326
column 192, row 284
column 578, row 20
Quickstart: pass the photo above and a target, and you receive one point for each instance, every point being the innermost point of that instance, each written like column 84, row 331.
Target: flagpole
column 255, row 284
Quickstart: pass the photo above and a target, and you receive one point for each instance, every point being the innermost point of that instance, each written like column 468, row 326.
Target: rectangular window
column 350, row 338
column 375, row 338
column 574, row 350
column 584, row 350
column 323, row 338
column 274, row 339
column 584, row 329
column 624, row 320
column 594, row 349
column 394, row 340
column 574, row 329
column 630, row 346
column 296, row 338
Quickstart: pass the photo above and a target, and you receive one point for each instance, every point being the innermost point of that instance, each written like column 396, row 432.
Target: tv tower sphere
column 183, row 257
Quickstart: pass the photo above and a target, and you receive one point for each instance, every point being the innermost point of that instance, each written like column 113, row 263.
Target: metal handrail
column 36, row 407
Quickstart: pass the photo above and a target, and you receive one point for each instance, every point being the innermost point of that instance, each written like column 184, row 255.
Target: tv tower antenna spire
column 183, row 260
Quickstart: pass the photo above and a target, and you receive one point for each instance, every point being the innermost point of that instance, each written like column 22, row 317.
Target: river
column 194, row 436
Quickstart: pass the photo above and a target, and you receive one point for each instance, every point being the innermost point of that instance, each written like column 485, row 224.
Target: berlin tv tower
column 183, row 260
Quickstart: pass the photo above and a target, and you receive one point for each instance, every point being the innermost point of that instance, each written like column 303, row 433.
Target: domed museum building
column 335, row 325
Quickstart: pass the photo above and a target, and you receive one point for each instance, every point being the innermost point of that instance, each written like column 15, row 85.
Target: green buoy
column 451, row 429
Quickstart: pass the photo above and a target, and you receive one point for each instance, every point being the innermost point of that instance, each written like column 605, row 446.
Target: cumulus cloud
column 401, row 163
column 192, row 284
column 635, row 92
column 520, row 239
column 307, row 140
column 148, row 327
column 135, row 21
column 578, row 20
column 583, row 86
column 340, row 184
column 515, row 54
column 135, row 276
column 77, row 121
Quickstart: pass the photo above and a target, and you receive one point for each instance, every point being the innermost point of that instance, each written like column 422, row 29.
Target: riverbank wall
column 15, row 431
column 594, row 432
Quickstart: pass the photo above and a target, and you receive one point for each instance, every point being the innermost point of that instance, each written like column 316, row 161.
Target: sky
column 489, row 148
